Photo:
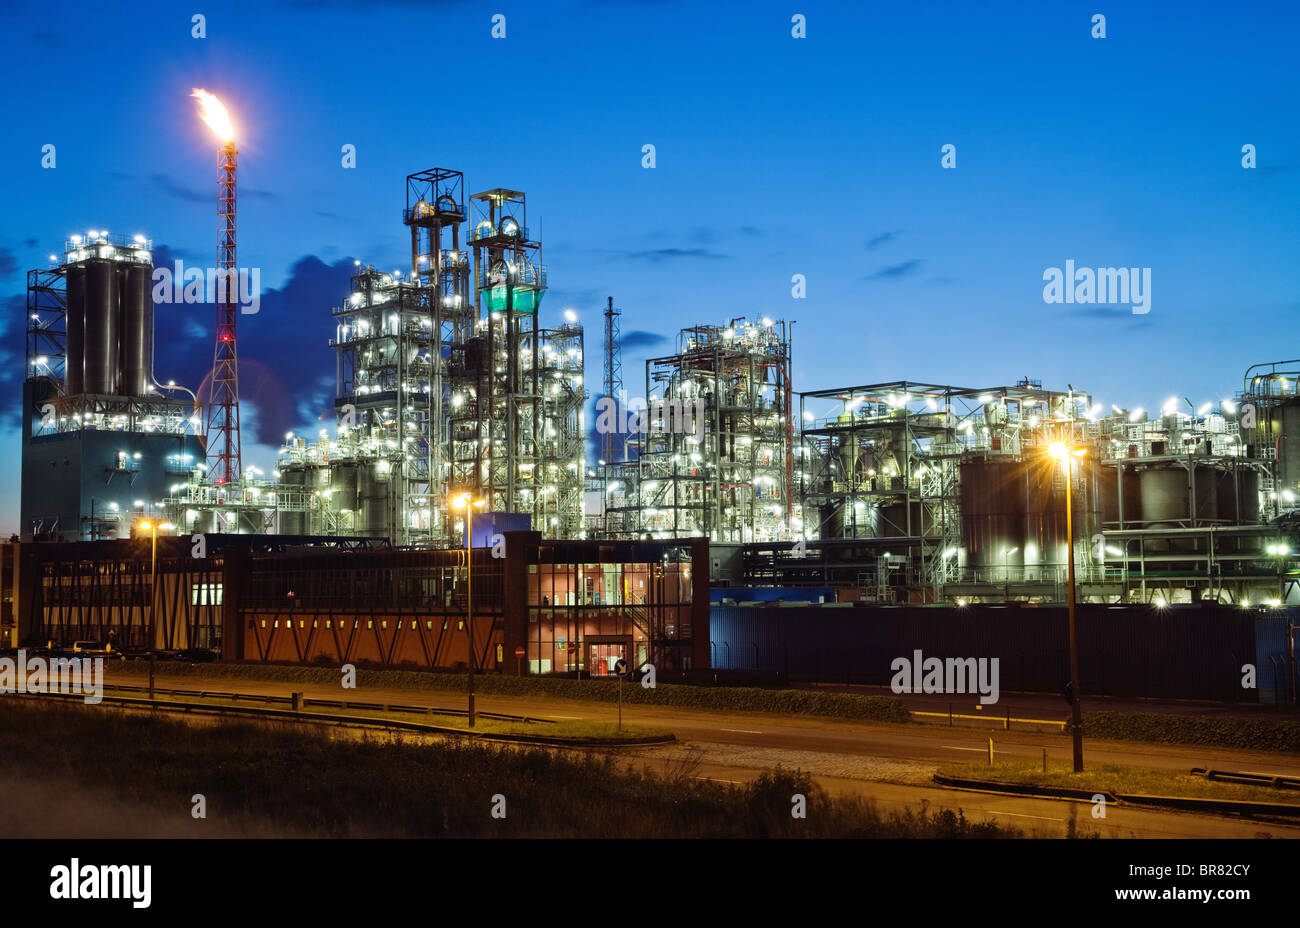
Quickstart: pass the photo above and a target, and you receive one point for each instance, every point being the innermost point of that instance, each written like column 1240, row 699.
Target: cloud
column 882, row 239
column 640, row 339
column 180, row 192
column 1102, row 312
column 8, row 262
column 284, row 355
column 659, row 255
column 896, row 271
column 752, row 231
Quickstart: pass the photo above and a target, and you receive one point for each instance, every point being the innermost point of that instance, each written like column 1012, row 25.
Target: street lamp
column 466, row 502
column 1063, row 452
column 152, row 529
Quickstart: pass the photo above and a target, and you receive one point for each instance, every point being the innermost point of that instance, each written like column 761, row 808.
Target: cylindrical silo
column 1164, row 497
column 1044, row 537
column 1288, row 462
column 343, row 486
column 75, row 345
column 992, row 513
column 1238, row 495
column 293, row 480
column 372, row 492
column 102, row 312
column 137, row 313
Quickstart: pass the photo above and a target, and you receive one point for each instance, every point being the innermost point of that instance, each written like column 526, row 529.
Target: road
column 890, row 764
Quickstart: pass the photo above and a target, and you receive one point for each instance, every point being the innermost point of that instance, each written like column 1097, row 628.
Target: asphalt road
column 891, row 764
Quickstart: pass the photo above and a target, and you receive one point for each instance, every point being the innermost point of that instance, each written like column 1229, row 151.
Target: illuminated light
column 1135, row 414
column 214, row 114
column 570, row 315
column 986, row 398
column 961, row 604
column 1204, row 409
column 767, row 323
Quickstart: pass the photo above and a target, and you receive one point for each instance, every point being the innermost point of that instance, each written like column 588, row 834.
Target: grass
column 279, row 778
column 1112, row 778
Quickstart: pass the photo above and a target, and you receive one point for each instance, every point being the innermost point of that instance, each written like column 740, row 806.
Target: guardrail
column 1005, row 720
column 329, row 703
column 1251, row 779
column 352, row 721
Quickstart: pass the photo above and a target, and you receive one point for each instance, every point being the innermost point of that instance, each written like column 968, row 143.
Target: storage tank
column 1164, row 497
column 372, row 492
column 136, row 329
column 343, row 486
column 101, row 324
column 1238, row 495
column 293, row 523
column 1288, row 464
column 1110, row 499
column 1044, row 535
column 75, row 347
column 992, row 513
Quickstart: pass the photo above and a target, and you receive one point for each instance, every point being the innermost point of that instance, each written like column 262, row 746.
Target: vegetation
column 1213, row 731
column 731, row 698
column 1114, row 779
column 278, row 778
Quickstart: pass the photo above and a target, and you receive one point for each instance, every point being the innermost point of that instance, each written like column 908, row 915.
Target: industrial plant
column 460, row 395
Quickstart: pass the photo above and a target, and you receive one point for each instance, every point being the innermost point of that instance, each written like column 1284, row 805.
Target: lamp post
column 467, row 503
column 1064, row 452
column 152, row 529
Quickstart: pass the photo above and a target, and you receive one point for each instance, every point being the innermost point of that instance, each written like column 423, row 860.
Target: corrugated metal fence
column 1189, row 652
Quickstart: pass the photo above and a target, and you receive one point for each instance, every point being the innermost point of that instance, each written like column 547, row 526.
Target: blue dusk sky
column 774, row 156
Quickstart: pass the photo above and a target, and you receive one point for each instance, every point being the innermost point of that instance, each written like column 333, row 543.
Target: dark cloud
column 882, row 239
column 178, row 191
column 895, row 271
column 181, row 192
column 1101, row 312
column 283, row 348
column 658, row 255
column 639, row 339
column 752, row 231
column 8, row 262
